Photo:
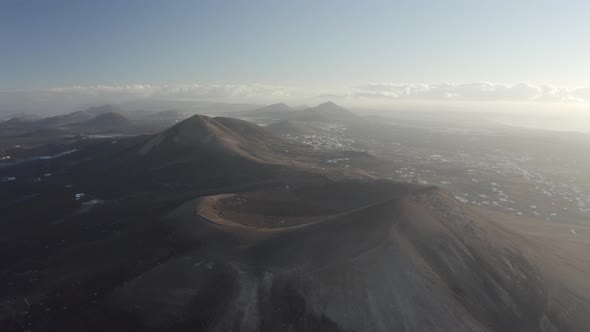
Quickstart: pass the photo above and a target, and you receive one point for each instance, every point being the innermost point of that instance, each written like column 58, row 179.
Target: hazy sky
column 245, row 50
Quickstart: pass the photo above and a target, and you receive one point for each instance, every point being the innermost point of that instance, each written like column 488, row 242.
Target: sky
column 356, row 52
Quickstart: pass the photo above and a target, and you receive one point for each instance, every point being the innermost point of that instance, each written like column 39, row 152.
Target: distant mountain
column 98, row 110
column 79, row 116
column 93, row 120
column 331, row 111
column 267, row 111
column 326, row 112
column 331, row 108
column 24, row 117
column 300, row 107
column 65, row 119
column 105, row 122
column 201, row 134
column 15, row 122
column 279, row 107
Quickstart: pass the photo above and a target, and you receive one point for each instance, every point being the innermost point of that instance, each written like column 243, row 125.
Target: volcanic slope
column 267, row 111
column 202, row 134
column 104, row 122
column 198, row 153
column 233, row 234
column 352, row 255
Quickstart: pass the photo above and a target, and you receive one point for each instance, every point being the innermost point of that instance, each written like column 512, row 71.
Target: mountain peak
column 201, row 133
column 107, row 108
column 110, row 116
column 279, row 105
column 106, row 121
column 272, row 109
column 333, row 111
column 192, row 132
column 328, row 104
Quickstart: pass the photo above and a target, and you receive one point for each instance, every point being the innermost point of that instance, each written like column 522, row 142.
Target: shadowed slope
column 405, row 259
column 197, row 153
column 210, row 226
column 202, row 134
column 104, row 122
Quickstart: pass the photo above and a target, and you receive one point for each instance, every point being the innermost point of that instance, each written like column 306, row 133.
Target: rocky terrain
column 216, row 224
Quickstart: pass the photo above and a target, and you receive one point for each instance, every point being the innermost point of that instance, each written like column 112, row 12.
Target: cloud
column 583, row 93
column 477, row 91
column 60, row 99
column 180, row 91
